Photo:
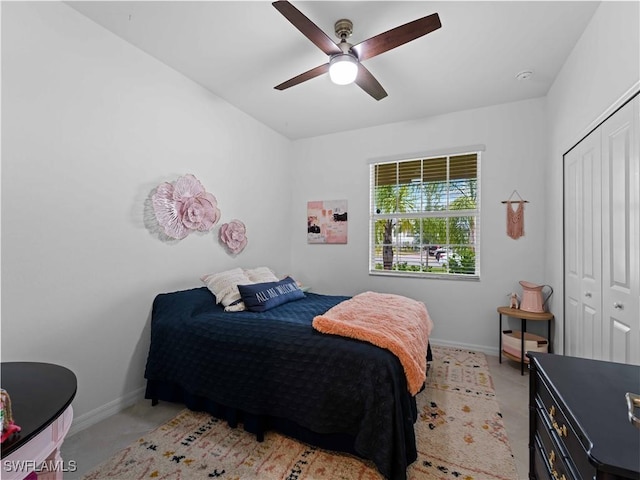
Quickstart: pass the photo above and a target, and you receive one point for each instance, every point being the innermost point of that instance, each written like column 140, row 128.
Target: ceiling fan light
column 343, row 69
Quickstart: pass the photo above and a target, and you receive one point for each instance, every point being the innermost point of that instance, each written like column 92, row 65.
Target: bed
column 272, row 370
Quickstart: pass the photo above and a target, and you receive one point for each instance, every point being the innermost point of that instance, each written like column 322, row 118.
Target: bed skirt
column 259, row 424
column 255, row 424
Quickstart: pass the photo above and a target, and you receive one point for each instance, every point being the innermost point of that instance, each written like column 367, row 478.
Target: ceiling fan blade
column 303, row 77
column 307, row 27
column 396, row 36
column 366, row 81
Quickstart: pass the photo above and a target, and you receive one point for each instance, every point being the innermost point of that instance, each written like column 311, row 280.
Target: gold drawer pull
column 561, row 431
column 558, row 477
column 552, row 458
column 552, row 411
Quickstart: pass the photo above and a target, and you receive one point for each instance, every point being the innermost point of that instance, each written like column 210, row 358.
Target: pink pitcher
column 532, row 297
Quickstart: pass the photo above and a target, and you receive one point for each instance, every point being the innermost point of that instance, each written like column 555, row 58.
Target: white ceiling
column 240, row 50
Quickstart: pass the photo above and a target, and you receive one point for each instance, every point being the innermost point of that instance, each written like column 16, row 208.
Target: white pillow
column 224, row 286
column 261, row 275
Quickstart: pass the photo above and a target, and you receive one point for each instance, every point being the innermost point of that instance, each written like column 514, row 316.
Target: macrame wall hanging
column 515, row 215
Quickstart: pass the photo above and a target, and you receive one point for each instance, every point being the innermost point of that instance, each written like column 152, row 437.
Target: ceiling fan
column 345, row 60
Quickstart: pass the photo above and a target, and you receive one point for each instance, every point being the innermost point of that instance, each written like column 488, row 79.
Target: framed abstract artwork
column 327, row 221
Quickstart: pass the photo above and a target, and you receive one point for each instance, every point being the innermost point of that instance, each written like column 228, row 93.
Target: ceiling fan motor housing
column 343, row 28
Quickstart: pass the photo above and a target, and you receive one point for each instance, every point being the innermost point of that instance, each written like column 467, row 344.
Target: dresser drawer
column 541, row 471
column 557, row 461
column 570, row 440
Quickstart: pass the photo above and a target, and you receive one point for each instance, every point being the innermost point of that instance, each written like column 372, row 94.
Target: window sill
column 436, row 276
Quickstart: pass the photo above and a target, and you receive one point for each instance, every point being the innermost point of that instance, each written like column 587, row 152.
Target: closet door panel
column 591, row 248
column 572, row 331
column 573, row 304
column 620, row 340
column 583, row 249
column 590, row 329
column 620, row 282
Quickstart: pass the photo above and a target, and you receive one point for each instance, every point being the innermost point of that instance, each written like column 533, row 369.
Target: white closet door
column 582, row 249
column 620, row 237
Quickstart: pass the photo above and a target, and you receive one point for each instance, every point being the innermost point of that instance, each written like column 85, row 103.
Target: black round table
column 40, row 393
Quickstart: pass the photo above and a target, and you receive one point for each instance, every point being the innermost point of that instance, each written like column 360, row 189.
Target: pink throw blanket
column 396, row 323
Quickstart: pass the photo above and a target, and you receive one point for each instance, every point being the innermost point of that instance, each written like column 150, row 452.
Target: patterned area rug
column 460, row 435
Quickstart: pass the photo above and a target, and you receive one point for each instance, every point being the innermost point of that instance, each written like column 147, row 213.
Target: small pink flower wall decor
column 233, row 235
column 183, row 207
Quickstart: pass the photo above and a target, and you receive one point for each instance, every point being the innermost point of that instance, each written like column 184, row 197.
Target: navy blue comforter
column 274, row 366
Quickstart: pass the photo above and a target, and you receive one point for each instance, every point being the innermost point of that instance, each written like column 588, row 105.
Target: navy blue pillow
column 260, row 297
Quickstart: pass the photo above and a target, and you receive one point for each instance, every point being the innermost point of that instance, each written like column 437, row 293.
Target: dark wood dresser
column 579, row 425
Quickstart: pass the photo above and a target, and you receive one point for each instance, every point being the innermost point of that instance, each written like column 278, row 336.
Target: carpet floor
column 459, row 433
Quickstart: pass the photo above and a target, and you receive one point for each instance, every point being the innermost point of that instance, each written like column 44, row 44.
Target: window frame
column 447, row 213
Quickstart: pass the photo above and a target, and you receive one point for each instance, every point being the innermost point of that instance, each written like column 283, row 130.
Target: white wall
column 602, row 71
column 90, row 125
column 335, row 167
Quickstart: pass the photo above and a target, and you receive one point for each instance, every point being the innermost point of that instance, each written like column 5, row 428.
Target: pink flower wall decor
column 184, row 206
column 233, row 235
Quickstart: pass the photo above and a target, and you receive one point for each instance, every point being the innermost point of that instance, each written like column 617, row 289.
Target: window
column 425, row 216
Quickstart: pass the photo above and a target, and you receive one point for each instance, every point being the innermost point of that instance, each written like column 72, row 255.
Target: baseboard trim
column 105, row 411
column 467, row 346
